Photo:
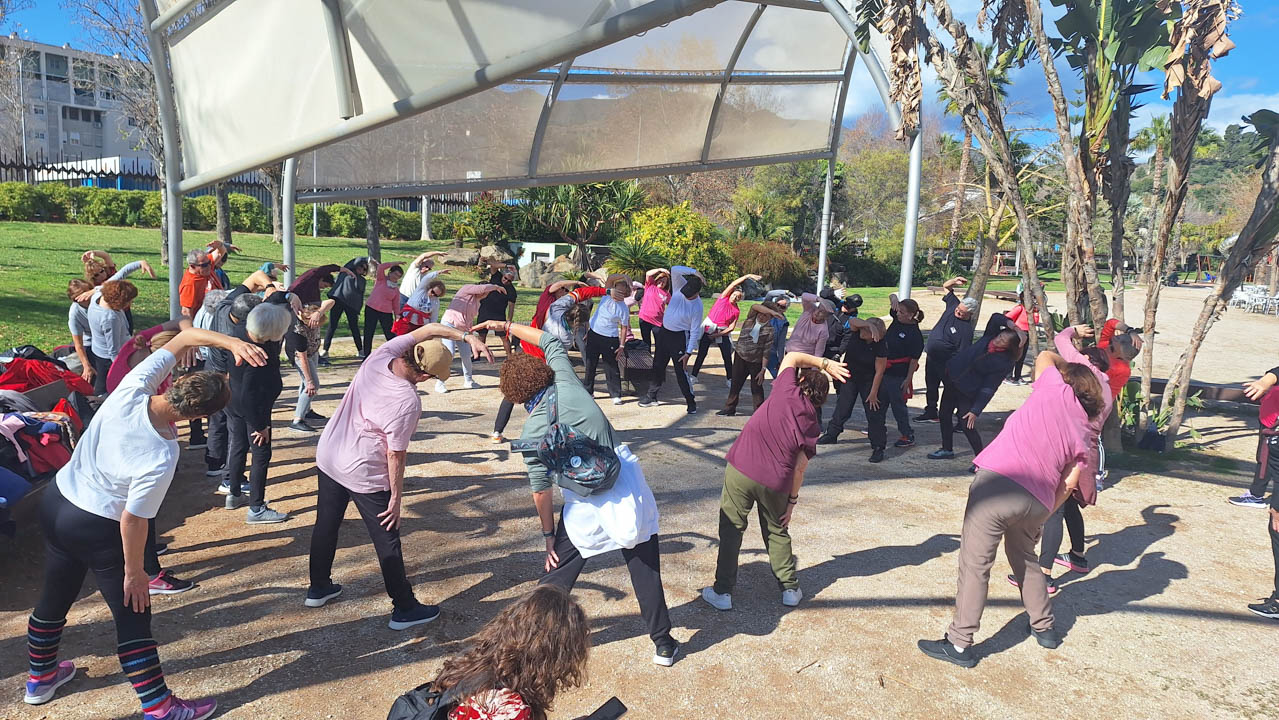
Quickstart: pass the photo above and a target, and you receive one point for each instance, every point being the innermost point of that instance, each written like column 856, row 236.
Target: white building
column 69, row 107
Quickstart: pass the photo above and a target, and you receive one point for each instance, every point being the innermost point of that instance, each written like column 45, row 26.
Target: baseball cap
column 433, row 358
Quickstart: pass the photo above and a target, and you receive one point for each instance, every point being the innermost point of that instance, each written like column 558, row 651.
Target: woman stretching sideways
column 719, row 325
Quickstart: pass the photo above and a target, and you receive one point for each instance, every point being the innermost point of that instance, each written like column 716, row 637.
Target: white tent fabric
column 384, row 98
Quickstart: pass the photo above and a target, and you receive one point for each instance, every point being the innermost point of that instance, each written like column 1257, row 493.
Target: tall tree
column 1153, row 138
column 1198, row 38
column 371, row 228
column 223, row 202
column 580, row 213
column 273, row 179
column 1257, row 239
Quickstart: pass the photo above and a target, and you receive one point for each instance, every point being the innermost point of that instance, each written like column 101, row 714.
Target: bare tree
column 223, row 225
column 273, row 179
column 371, row 225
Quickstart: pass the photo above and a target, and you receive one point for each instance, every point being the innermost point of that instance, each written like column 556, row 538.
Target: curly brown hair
column 77, row 287
column 534, row 647
column 813, row 385
column 199, row 394
column 95, row 270
column 524, row 376
column 118, row 294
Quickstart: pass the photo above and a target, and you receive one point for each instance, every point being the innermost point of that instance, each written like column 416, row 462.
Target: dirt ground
column 1158, row 629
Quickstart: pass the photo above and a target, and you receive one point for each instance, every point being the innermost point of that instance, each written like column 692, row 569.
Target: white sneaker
column 439, row 387
column 497, row 437
column 470, row 385
column 791, row 598
column 717, row 601
column 692, row 379
column 728, row 384
column 617, row 401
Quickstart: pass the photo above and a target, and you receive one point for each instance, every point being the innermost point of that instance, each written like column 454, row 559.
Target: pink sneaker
column 166, row 583
column 180, row 709
column 39, row 693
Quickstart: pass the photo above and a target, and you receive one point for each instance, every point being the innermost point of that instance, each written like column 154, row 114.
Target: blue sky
column 1248, row 86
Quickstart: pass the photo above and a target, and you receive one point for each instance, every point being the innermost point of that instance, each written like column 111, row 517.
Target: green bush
column 18, row 201
column 865, row 271
column 59, row 203
column 193, row 217
column 302, row 214
column 491, row 220
column 776, row 262
column 152, row 211
column 346, row 220
column 247, row 214
column 110, row 207
column 206, row 210
column 688, row 238
column 442, row 225
column 399, row 224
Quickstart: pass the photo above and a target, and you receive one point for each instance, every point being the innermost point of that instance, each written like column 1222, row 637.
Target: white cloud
column 1227, row 109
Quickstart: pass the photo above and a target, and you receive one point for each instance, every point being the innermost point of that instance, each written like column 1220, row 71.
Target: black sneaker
column 324, row 361
column 692, row 407
column 317, row 597
column 198, row 442
column 301, row 426
column 972, row 469
column 313, row 415
column 944, row 650
column 929, row 417
column 827, row 439
column 726, row 413
column 1049, row 638
column 941, row 454
column 419, row 615
column 161, row 549
column 904, row 441
column 665, row 653
column 1268, row 608
column 648, row 402
column 877, row 455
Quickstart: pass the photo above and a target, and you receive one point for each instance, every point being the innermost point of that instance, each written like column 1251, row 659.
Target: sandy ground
column 1158, row 629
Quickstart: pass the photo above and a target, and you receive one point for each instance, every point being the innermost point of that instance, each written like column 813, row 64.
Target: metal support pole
column 172, row 162
column 315, row 207
column 289, row 193
column 340, row 55
column 826, row 217
column 912, row 215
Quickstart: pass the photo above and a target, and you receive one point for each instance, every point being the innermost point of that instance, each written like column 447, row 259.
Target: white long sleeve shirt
column 683, row 314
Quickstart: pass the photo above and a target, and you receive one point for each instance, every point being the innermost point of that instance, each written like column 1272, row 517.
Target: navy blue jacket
column 975, row 372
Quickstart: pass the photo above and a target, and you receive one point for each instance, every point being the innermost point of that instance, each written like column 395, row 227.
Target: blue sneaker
column 39, row 693
column 225, row 488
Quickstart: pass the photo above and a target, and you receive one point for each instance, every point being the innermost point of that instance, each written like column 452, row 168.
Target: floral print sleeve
column 501, row 704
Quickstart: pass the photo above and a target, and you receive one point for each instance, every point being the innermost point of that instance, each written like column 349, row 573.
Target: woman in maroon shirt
column 766, row 466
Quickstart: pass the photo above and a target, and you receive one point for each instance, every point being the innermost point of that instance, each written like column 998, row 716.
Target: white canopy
column 382, row 98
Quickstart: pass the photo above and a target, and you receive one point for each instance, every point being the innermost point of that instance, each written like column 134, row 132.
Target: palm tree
column 579, row 213
column 1154, row 137
column 998, row 73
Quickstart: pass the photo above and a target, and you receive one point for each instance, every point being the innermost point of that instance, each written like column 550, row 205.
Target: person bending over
column 679, row 336
column 499, row 306
column 719, row 325
column 622, row 517
column 348, row 296
column 766, row 466
column 383, row 303
column 905, row 344
column 96, row 517
column 866, row 357
column 606, row 336
column 657, row 293
column 952, row 333
column 972, row 377
column 753, row 346
column 460, row 315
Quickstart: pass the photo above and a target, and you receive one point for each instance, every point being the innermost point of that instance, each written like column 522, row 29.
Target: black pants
column 644, row 562
column 352, row 322
column 503, row 416
column 671, row 347
column 647, row 330
column 725, row 351
column 934, row 373
column 741, row 370
column 330, row 506
column 858, row 387
column 601, row 346
column 371, row 317
column 1050, row 541
column 100, row 368
column 954, row 405
column 1021, row 361
column 890, row 395
column 1268, row 450
column 240, row 445
column 1274, row 551
column 76, row 543
column 215, row 454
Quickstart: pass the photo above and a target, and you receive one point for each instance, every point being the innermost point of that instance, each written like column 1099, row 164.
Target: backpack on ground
column 422, row 703
column 573, row 461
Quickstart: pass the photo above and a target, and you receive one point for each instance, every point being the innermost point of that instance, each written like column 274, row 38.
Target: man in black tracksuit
column 952, row 333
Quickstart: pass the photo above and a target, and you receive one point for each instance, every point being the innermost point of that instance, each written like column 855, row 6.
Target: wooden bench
column 1004, row 295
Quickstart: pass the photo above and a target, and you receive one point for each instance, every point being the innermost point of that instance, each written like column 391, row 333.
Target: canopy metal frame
column 183, row 17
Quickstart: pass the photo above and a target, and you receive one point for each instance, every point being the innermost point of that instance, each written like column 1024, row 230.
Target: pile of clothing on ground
column 43, row 408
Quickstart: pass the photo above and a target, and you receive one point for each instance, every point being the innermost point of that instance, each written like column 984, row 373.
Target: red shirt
column 194, row 286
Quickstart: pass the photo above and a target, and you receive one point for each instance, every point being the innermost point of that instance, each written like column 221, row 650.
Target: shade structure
column 386, row 98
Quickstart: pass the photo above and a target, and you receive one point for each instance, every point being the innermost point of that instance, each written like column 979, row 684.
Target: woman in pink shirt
column 383, row 303
column 460, row 315
column 719, row 325
column 657, row 292
column 1028, row 471
column 810, row 333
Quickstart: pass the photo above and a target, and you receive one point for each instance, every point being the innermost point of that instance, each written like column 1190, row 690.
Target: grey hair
column 243, row 305
column 195, row 256
column 268, row 322
column 970, row 304
column 212, row 298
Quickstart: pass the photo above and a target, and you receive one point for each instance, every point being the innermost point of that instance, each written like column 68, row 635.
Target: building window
column 31, row 65
column 97, row 118
column 38, row 135
column 108, row 82
column 55, row 67
column 84, row 82
column 37, row 109
column 73, row 138
column 133, row 122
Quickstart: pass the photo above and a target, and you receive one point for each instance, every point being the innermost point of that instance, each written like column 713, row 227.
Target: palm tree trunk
column 371, row 239
column 223, row 200
column 987, row 251
column 965, row 157
column 1274, row 272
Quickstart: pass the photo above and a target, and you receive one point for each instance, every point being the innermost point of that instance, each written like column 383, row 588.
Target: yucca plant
column 635, row 257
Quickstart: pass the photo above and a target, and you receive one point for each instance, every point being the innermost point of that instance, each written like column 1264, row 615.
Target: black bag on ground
column 422, row 703
column 573, row 461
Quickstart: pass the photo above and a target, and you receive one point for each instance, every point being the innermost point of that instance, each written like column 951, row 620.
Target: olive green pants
column 740, row 493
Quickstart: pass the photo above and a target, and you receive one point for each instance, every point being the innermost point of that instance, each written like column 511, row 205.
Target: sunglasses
column 201, row 265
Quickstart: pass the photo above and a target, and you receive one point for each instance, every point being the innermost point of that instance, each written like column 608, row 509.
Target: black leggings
column 670, row 348
column 1021, row 361
column 597, row 347
column 240, row 446
column 1050, row 541
column 647, row 329
column 100, row 368
column 372, row 317
column 77, row 542
column 858, row 388
column 330, row 505
column 503, row 416
column 954, row 405
column 352, row 321
column 725, row 351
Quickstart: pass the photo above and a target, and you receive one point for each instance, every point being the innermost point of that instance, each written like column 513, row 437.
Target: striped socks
column 141, row 665
column 43, row 637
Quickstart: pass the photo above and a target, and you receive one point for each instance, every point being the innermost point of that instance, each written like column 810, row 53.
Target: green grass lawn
column 38, row 259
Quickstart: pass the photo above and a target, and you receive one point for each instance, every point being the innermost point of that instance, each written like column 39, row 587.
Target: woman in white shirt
column 95, row 517
column 609, row 329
